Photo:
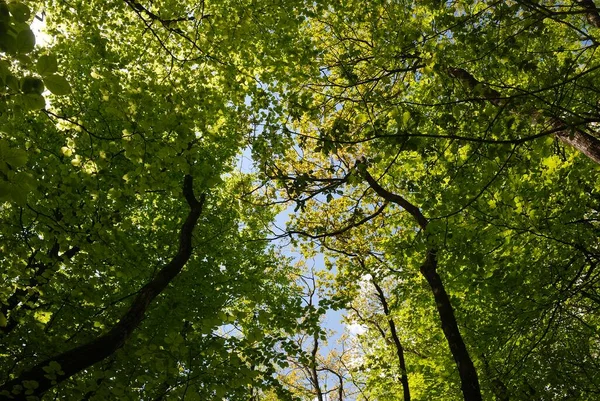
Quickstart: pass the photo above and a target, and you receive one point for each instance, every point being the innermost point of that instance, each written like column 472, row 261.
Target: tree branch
column 585, row 143
column 591, row 12
column 395, row 338
column 466, row 369
column 47, row 375
column 397, row 199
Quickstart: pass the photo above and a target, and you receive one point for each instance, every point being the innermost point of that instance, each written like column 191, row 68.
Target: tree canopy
column 440, row 157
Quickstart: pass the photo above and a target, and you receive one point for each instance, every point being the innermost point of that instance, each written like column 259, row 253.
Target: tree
column 442, row 156
column 134, row 264
column 440, row 126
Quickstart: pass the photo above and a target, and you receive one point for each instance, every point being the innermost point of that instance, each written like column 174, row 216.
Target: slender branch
column 567, row 133
column 341, row 230
column 466, row 369
column 165, row 22
column 395, row 338
column 482, row 191
column 22, row 293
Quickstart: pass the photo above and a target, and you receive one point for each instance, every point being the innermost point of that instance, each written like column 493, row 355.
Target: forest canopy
column 438, row 160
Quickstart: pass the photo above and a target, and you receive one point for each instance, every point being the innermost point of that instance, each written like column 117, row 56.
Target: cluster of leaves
column 443, row 156
column 24, row 75
column 132, row 251
column 452, row 148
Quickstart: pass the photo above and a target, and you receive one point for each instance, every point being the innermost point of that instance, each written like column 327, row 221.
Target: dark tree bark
column 466, row 369
column 314, row 373
column 82, row 357
column 396, row 340
column 467, row 372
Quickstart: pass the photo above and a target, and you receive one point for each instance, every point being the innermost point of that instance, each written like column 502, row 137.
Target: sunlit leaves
column 454, row 106
column 140, row 94
column 120, row 106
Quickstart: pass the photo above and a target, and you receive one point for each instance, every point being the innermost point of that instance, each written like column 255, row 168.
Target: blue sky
column 333, row 319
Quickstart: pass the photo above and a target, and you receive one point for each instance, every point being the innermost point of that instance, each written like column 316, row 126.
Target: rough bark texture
column 82, row 357
column 396, row 340
column 467, row 372
column 585, row 143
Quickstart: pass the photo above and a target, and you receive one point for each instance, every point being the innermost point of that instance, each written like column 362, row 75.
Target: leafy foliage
column 441, row 156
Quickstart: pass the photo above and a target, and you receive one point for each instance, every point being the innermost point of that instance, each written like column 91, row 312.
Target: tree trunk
column 468, row 375
column 466, row 369
column 73, row 361
column 313, row 368
column 585, row 143
column 591, row 12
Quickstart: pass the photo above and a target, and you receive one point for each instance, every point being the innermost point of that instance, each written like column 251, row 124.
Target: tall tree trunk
column 47, row 374
column 466, row 370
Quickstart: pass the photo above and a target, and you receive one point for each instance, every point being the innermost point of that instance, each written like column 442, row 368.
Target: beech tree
column 442, row 156
column 448, row 140
column 134, row 264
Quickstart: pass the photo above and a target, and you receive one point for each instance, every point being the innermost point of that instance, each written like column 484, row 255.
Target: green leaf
column 3, row 321
column 24, row 60
column 4, row 69
column 8, row 43
column 12, row 83
column 19, row 11
column 32, row 85
column 405, row 117
column 30, row 384
column 33, row 101
column 57, row 84
column 14, row 157
column 25, row 41
column 6, row 192
column 47, row 65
